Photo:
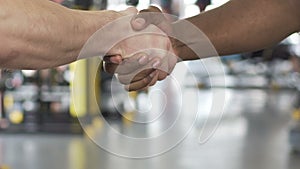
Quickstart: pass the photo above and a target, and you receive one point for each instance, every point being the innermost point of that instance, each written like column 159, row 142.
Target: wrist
column 85, row 24
column 190, row 43
column 88, row 22
column 176, row 40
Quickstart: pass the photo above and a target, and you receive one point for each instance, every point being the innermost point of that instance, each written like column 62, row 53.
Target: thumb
column 152, row 15
column 129, row 11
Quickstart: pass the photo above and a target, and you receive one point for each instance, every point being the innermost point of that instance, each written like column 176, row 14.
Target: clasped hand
column 141, row 60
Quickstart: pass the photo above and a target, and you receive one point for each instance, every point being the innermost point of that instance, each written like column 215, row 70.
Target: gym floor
column 253, row 134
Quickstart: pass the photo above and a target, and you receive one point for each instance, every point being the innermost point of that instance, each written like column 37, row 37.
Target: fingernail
column 140, row 21
column 156, row 64
column 143, row 59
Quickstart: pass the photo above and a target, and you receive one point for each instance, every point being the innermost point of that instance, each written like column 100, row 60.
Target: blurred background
column 259, row 127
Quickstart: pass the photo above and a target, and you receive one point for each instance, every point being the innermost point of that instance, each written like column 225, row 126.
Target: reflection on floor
column 253, row 134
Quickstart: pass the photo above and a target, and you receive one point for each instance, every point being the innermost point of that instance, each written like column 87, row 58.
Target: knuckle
column 146, row 80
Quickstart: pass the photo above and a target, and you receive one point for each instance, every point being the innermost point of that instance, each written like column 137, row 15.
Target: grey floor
column 253, row 134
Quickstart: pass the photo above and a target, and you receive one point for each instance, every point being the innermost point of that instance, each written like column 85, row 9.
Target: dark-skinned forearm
column 244, row 25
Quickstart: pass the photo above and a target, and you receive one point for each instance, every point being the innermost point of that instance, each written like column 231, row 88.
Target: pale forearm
column 246, row 25
column 39, row 34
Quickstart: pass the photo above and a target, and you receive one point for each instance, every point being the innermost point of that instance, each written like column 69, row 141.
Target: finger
column 142, row 84
column 141, row 58
column 152, row 15
column 162, row 74
column 143, row 19
column 129, row 78
column 117, row 59
column 152, row 83
column 134, row 66
column 138, row 85
column 140, row 73
column 154, row 80
column 109, row 67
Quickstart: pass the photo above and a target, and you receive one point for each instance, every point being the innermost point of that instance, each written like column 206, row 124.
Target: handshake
column 140, row 50
column 143, row 48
